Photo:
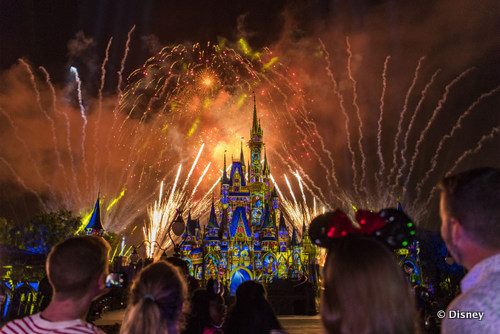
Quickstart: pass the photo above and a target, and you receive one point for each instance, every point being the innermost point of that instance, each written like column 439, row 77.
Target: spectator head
column 471, row 200
column 78, row 266
column 179, row 263
column 207, row 308
column 250, row 291
column 365, row 290
column 156, row 302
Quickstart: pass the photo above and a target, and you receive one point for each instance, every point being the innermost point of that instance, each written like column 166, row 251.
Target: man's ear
column 100, row 286
column 457, row 231
column 101, row 281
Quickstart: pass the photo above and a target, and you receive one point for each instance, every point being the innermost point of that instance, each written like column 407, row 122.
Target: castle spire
column 266, row 165
column 282, row 225
column 294, row 241
column 224, row 174
column 256, row 123
column 242, row 159
column 212, row 220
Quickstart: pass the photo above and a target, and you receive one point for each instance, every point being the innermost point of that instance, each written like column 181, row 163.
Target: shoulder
column 483, row 296
column 83, row 327
column 35, row 324
column 477, row 310
column 23, row 325
column 92, row 329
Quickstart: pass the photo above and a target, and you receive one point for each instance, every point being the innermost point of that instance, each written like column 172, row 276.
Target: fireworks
column 188, row 98
column 163, row 211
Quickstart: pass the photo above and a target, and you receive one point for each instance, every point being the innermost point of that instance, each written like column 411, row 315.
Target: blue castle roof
column 237, row 166
column 295, row 240
column 239, row 217
column 95, row 219
column 212, row 221
column 267, row 220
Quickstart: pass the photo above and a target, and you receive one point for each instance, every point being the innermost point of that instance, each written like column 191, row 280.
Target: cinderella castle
column 248, row 239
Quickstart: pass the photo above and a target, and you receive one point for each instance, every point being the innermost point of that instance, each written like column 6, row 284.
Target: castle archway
column 238, row 276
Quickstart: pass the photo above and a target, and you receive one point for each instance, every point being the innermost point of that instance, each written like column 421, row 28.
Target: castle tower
column 212, row 239
column 268, row 232
column 295, row 260
column 211, row 243
column 224, row 189
column 283, row 235
column 309, row 260
column 256, row 185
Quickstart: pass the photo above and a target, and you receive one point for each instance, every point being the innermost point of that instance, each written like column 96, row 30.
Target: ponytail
column 143, row 317
column 156, row 301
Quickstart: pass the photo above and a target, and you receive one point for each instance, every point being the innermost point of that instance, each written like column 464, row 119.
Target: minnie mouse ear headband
column 391, row 226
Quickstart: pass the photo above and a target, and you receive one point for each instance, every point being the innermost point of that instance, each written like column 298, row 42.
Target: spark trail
column 360, row 121
column 448, row 136
column 313, row 189
column 200, row 179
column 413, row 118
column 84, row 118
column 479, row 145
column 68, row 134
column 400, row 124
column 431, row 121
column 192, row 167
column 97, row 147
column 466, row 153
column 342, row 109
column 42, row 110
column 379, row 127
column 124, row 59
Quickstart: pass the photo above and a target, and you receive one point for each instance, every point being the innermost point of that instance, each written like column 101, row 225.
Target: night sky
column 453, row 36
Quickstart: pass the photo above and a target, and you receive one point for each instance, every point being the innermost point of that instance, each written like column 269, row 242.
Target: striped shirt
column 36, row 325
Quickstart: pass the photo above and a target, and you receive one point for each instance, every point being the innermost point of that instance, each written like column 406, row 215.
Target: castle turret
column 307, row 246
column 212, row 239
column 266, row 173
column 283, row 234
column 295, row 258
column 188, row 237
column 268, row 232
column 95, row 226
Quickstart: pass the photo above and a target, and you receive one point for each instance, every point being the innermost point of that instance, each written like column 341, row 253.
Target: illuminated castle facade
column 248, row 239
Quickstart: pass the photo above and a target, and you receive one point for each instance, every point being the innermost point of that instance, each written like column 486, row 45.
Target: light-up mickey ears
column 400, row 229
column 391, row 226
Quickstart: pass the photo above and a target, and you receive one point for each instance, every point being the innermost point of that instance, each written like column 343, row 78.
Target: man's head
column 470, row 210
column 78, row 266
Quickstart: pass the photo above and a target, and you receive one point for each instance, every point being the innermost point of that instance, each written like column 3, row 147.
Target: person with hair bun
column 157, row 299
